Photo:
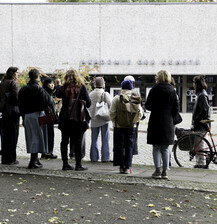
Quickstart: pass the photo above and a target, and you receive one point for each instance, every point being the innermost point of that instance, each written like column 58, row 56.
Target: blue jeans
column 161, row 151
column 94, row 150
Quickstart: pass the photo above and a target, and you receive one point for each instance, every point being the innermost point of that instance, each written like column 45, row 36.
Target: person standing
column 10, row 116
column 124, row 124
column 73, row 86
column 33, row 102
column 98, row 124
column 163, row 104
column 201, row 112
column 48, row 85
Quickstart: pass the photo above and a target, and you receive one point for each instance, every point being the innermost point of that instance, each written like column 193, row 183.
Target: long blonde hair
column 163, row 76
column 73, row 76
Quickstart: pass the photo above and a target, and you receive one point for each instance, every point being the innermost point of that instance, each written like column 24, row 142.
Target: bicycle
column 195, row 144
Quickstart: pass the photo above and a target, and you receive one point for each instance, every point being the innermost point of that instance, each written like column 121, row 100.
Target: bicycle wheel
column 191, row 147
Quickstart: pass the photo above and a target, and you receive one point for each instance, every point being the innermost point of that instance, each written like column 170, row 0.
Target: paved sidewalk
column 185, row 178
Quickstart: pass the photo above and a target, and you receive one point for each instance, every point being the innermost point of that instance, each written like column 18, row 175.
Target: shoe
column 81, row 168
column 38, row 162
column 48, row 156
column 13, row 163
column 156, row 174
column 71, row 155
column 34, row 165
column 127, row 171
column 121, row 170
column 201, row 166
column 164, row 175
column 67, row 167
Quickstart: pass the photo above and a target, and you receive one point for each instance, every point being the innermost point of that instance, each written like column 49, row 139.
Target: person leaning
column 98, row 124
column 33, row 102
column 201, row 111
column 10, row 116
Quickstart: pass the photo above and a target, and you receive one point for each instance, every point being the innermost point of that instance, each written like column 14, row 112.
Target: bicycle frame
column 202, row 137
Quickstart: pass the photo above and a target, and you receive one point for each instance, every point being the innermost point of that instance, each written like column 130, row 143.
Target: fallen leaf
column 168, row 208
column 150, row 205
column 69, row 209
column 122, row 218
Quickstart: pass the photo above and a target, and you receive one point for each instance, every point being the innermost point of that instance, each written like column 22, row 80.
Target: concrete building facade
column 121, row 39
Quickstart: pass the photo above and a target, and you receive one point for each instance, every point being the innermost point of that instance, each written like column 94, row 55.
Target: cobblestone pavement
column 185, row 178
column 145, row 151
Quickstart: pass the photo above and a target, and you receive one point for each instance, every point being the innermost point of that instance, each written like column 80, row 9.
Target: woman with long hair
column 10, row 115
column 201, row 111
column 74, row 130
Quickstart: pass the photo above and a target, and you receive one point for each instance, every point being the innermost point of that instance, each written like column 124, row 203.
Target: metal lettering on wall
column 141, row 62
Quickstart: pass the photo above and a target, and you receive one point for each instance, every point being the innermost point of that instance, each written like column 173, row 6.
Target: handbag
column 102, row 110
column 46, row 119
column 77, row 110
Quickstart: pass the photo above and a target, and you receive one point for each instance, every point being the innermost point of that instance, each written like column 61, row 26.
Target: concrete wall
column 178, row 37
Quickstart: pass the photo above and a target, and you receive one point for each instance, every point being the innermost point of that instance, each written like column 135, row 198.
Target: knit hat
column 99, row 82
column 127, row 84
column 129, row 77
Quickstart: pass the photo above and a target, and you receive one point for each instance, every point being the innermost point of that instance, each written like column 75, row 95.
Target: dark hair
column 46, row 81
column 10, row 73
column 200, row 82
column 34, row 74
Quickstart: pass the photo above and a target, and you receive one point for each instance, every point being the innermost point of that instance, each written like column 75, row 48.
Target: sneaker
column 81, row 168
column 67, row 167
column 156, row 174
column 164, row 175
column 121, row 170
column 127, row 171
column 201, row 166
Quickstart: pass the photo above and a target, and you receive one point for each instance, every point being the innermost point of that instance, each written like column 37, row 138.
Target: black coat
column 33, row 98
column 63, row 116
column 201, row 111
column 163, row 104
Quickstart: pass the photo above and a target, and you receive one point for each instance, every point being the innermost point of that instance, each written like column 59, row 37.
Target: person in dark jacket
column 48, row 85
column 163, row 104
column 201, row 112
column 33, row 102
column 10, row 115
column 70, row 129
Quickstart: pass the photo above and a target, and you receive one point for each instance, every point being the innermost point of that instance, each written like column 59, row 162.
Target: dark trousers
column 71, row 130
column 50, row 133
column 10, row 133
column 72, row 148
column 124, row 140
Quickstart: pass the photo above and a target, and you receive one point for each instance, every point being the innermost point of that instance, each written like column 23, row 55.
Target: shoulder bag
column 102, row 110
column 77, row 110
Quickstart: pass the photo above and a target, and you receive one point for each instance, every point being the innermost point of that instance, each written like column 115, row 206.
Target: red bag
column 46, row 119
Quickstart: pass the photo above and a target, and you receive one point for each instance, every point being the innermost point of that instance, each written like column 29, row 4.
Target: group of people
column 33, row 101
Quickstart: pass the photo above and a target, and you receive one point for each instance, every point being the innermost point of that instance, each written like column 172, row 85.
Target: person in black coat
column 10, row 115
column 33, row 103
column 201, row 112
column 71, row 129
column 48, row 85
column 163, row 104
